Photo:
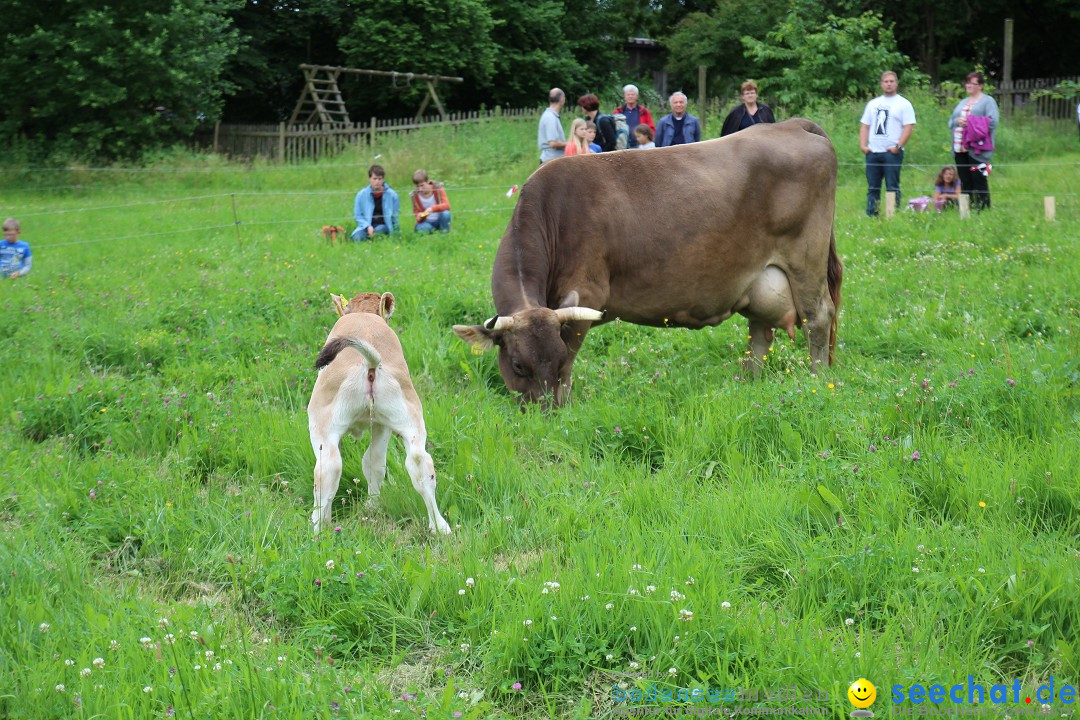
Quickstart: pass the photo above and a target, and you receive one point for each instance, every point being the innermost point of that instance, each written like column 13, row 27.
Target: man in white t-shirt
column 885, row 128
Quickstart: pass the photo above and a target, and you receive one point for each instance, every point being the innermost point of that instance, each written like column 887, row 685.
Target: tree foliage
column 94, row 80
column 806, row 58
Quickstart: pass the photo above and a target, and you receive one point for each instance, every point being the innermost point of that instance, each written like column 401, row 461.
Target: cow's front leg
column 573, row 334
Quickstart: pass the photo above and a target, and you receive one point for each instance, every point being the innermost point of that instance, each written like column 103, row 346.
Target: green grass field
column 911, row 516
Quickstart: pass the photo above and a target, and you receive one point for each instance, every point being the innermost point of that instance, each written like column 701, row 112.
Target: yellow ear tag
column 477, row 350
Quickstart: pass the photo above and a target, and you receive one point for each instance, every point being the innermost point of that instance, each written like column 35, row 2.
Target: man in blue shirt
column 549, row 135
column 376, row 208
column 15, row 257
column 678, row 127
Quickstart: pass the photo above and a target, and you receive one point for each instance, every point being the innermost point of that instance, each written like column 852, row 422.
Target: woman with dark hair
column 973, row 123
column 605, row 124
column 751, row 112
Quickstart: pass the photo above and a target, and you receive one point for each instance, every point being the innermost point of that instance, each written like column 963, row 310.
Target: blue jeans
column 360, row 234
column 882, row 166
column 435, row 221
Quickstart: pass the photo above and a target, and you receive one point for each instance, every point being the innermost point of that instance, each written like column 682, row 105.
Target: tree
column 436, row 37
column 93, row 80
column 276, row 36
column 832, row 57
column 714, row 39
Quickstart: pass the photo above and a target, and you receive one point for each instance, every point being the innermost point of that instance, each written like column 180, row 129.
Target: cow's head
column 381, row 305
column 534, row 359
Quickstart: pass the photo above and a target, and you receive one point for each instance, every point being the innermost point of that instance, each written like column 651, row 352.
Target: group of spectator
column 597, row 132
column 887, row 124
column 377, row 206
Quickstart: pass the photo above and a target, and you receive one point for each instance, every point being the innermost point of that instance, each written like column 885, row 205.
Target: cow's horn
column 569, row 314
column 499, row 322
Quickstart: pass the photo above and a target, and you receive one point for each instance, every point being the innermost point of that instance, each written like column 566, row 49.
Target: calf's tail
column 836, row 277
column 336, row 344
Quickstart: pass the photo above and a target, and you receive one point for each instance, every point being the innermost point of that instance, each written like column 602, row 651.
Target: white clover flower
column 60, row 688
column 113, row 645
column 982, row 570
column 633, row 628
column 194, row 635
column 44, row 627
column 609, row 606
column 849, row 622
column 584, row 598
column 672, row 672
column 609, row 657
column 632, row 591
column 146, row 642
column 198, row 667
column 650, row 589
column 544, row 591
column 554, row 618
column 527, row 623
column 69, row 662
column 686, row 615
column 170, row 639
column 266, row 641
column 209, row 654
column 217, row 667
column 676, row 596
column 636, row 567
column 690, row 580
column 858, row 655
column 725, row 605
column 470, row 583
column 329, row 564
column 147, row 689
column 914, row 569
column 920, row 548
column 85, row 672
column 465, row 647
column 163, row 622
column 634, row 665
column 99, row 663
column 461, row 591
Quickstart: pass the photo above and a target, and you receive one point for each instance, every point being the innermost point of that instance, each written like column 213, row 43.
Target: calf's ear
column 386, row 305
column 478, row 336
column 339, row 303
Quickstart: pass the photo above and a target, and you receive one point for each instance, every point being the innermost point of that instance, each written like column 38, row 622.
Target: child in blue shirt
column 590, row 136
column 14, row 253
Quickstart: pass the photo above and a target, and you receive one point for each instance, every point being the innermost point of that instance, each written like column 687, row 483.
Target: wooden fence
column 296, row 143
column 1016, row 97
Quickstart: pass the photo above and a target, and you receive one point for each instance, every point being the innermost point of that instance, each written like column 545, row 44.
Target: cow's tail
column 836, row 277
column 336, row 344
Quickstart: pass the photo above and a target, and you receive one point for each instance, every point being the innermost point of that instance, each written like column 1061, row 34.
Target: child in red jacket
column 430, row 206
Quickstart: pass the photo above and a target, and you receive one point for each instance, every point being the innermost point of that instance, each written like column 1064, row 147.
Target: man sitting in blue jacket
column 377, row 207
column 678, row 127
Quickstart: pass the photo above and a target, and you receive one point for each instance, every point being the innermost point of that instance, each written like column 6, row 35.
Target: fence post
column 1048, row 207
column 701, row 98
column 890, row 204
column 281, row 143
column 217, row 132
column 964, row 205
column 371, row 133
column 1006, row 75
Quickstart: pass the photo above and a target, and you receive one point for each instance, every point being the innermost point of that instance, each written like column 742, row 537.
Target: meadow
column 910, row 516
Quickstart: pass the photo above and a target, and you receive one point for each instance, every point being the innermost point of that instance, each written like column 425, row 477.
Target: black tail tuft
column 330, row 351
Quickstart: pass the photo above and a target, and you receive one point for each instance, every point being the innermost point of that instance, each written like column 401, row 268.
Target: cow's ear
column 571, row 300
column 339, row 303
column 478, row 336
column 386, row 305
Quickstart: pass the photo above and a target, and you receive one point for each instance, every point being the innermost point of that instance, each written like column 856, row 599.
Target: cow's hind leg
column 374, row 463
column 769, row 305
column 816, row 312
column 327, row 478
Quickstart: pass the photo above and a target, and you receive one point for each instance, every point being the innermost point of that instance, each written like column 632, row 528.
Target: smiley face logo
column 862, row 693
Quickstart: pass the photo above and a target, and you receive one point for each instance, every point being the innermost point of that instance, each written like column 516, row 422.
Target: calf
column 364, row 384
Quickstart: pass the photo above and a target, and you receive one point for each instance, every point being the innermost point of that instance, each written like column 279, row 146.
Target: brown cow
column 681, row 236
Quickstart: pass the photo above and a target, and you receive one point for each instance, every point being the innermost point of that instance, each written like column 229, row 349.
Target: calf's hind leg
column 327, row 478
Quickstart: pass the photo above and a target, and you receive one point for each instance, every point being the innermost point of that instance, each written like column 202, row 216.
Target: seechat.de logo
column 862, row 695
